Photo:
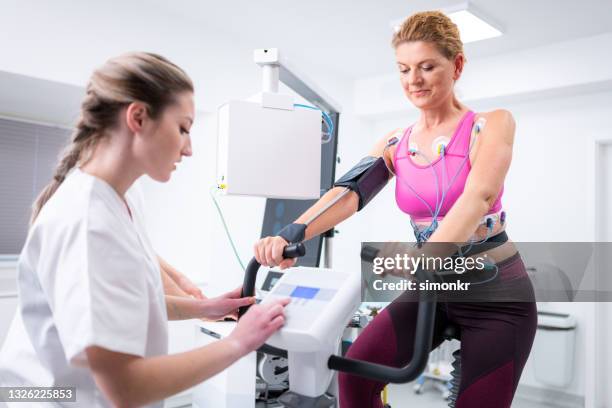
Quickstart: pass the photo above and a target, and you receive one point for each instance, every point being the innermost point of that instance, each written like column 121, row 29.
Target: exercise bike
column 323, row 301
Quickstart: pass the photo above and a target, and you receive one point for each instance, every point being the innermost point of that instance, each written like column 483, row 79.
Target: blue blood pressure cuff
column 366, row 178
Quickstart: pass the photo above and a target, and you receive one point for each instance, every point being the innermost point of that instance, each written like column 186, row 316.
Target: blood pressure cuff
column 367, row 178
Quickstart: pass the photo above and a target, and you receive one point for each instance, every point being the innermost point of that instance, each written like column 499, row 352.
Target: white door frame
column 594, row 318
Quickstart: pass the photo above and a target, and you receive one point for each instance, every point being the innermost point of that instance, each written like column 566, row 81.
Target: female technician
column 450, row 167
column 92, row 311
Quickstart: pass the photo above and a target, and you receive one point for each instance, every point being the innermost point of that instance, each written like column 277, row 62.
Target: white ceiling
column 351, row 37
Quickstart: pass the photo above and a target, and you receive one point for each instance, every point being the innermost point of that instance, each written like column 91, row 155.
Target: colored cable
column 227, row 233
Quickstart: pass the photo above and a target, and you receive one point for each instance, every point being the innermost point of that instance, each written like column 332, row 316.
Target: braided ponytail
column 144, row 77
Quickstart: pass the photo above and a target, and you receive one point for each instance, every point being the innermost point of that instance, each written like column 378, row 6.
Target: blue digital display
column 304, row 292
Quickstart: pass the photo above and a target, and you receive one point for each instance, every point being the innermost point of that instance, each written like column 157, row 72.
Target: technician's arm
column 489, row 168
column 131, row 381
column 181, row 307
column 170, row 286
column 177, row 284
column 268, row 250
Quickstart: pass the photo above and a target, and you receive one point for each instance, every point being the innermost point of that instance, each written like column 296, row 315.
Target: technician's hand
column 225, row 305
column 259, row 323
column 269, row 252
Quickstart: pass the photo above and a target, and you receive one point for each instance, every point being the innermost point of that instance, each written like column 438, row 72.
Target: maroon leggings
column 496, row 339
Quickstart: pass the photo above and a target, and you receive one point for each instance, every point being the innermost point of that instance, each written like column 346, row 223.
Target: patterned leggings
column 496, row 339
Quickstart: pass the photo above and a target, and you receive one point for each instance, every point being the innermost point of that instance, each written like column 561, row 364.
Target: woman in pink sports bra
column 450, row 168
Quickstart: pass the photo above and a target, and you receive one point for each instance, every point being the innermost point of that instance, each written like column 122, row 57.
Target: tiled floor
column 403, row 396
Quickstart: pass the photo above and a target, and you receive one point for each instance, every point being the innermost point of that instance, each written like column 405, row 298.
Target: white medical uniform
column 88, row 276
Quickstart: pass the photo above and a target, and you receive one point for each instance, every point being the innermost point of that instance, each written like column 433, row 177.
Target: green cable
column 212, row 195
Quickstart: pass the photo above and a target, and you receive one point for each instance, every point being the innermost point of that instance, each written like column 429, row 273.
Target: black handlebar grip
column 368, row 253
column 294, row 251
column 250, row 275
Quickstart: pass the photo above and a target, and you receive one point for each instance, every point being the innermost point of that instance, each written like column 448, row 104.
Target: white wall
column 65, row 40
column 183, row 221
column 602, row 313
column 72, row 38
column 554, row 70
column 178, row 212
column 8, row 296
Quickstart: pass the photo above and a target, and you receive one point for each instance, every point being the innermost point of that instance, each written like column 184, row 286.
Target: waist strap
column 490, row 243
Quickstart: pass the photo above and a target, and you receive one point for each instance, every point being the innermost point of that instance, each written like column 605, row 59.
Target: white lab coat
column 87, row 276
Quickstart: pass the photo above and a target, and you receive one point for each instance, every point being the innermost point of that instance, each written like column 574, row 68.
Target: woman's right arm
column 269, row 250
column 130, row 381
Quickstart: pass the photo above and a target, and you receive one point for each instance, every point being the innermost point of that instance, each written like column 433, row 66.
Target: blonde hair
column 434, row 27
column 144, row 77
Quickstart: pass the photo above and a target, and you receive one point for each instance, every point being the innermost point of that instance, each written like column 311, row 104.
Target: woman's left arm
column 489, row 168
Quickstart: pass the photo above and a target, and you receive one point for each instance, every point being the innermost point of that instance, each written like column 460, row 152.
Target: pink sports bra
column 416, row 185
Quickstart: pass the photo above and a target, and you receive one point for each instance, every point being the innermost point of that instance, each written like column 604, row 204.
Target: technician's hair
column 434, row 27
column 134, row 77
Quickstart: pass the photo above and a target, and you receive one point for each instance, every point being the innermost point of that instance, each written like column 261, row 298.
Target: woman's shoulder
column 385, row 140
column 499, row 124
column 398, row 133
column 497, row 115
